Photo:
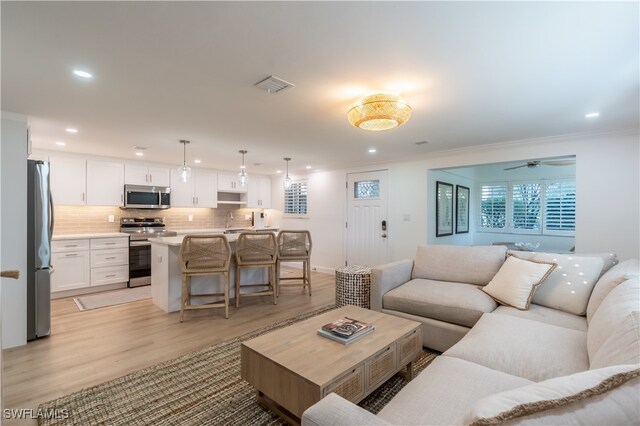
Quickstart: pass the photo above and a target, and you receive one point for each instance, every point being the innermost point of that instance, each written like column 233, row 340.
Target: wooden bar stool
column 204, row 255
column 257, row 250
column 295, row 246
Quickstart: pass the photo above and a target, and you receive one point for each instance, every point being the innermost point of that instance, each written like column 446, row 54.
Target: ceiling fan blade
column 558, row 163
column 516, row 167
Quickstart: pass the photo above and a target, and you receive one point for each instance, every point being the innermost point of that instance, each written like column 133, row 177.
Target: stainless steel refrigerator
column 39, row 232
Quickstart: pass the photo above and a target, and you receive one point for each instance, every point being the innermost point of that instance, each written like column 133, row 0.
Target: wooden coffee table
column 293, row 368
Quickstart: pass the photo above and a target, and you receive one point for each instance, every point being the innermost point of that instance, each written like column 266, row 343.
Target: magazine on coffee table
column 345, row 340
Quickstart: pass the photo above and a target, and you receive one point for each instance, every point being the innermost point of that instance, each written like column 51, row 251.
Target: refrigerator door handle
column 51, row 215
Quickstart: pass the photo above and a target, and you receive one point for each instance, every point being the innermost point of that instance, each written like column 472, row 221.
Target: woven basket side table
column 353, row 286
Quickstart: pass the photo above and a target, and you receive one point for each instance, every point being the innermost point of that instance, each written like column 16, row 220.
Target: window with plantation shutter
column 295, row 199
column 525, row 207
column 560, row 207
column 541, row 207
column 493, row 207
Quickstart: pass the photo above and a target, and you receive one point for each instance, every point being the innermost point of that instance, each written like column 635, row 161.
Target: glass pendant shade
column 287, row 180
column 184, row 171
column 379, row 112
column 243, row 177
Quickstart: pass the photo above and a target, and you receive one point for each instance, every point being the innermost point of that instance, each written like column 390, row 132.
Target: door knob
column 384, row 235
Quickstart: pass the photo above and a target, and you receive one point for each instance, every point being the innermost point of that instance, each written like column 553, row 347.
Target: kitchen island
column 166, row 275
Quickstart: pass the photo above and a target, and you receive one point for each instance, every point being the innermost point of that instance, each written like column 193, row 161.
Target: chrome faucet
column 229, row 218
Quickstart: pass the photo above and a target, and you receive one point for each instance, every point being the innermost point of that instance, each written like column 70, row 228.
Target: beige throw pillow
column 517, row 280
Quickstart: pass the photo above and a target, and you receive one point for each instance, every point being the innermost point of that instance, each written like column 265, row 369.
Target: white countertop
column 89, row 235
column 177, row 241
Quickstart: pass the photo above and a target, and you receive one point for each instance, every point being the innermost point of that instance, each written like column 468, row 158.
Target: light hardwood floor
column 91, row 347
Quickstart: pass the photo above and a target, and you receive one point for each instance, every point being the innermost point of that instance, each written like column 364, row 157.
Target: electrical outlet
column 247, row 217
column 190, row 218
column 111, row 218
column 406, row 217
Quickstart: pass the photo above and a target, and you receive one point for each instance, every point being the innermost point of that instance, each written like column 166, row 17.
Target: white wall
column 607, row 180
column 13, row 228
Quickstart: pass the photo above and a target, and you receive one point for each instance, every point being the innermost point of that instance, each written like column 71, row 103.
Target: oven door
column 139, row 263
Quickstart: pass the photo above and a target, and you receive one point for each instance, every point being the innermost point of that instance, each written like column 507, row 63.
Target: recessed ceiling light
column 372, row 150
column 308, row 167
column 71, row 130
column 592, row 115
column 139, row 154
column 197, row 161
column 60, row 143
column 278, row 171
column 82, row 74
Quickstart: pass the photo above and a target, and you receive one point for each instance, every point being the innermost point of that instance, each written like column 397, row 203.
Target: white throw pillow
column 517, row 280
column 604, row 396
column 618, row 274
column 569, row 286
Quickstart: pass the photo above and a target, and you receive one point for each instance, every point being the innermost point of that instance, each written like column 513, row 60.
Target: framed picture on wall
column 462, row 209
column 444, row 209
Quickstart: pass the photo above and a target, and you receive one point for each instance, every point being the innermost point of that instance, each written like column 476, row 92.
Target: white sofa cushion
column 569, row 286
column 438, row 394
column 547, row 316
column 523, row 348
column 517, row 280
column 456, row 303
column 596, row 397
column 619, row 273
column 614, row 332
column 462, row 264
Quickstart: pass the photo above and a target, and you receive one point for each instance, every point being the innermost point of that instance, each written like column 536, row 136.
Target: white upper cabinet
column 229, row 182
column 199, row 191
column 143, row 174
column 259, row 192
column 105, row 183
column 68, row 181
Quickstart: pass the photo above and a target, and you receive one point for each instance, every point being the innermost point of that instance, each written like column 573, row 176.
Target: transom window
column 543, row 207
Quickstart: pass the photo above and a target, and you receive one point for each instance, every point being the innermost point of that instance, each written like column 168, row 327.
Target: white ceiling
column 474, row 73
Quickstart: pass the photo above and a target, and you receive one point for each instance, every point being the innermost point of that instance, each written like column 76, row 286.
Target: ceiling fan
column 537, row 163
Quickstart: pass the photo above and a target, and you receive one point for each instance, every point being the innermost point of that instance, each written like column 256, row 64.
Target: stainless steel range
column 140, row 229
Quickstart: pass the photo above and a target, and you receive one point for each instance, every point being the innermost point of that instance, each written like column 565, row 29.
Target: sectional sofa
column 569, row 353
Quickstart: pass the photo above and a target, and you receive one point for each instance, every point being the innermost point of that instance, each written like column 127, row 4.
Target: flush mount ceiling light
column 382, row 111
column 184, row 171
column 287, row 180
column 243, row 176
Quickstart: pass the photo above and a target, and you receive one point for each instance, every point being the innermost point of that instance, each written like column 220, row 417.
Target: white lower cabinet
column 71, row 270
column 89, row 262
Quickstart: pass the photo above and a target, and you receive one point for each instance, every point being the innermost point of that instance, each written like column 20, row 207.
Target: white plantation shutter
column 295, row 199
column 526, row 214
column 560, row 207
column 493, row 207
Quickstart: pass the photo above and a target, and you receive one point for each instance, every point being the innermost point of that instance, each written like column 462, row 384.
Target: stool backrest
column 294, row 244
column 203, row 253
column 256, row 247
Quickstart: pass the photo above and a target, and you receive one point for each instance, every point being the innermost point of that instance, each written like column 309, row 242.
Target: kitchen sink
column 236, row 231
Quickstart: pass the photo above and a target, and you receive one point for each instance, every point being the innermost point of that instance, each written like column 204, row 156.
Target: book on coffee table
column 345, row 340
column 346, row 327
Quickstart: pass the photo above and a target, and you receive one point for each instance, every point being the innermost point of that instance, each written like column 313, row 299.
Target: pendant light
column 287, row 179
column 184, row 171
column 243, row 176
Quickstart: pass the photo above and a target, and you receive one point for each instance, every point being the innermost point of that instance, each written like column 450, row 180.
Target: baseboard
column 322, row 269
column 87, row 290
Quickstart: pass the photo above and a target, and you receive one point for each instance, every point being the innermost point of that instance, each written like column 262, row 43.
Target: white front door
column 367, row 211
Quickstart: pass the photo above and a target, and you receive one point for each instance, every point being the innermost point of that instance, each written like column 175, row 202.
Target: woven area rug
column 111, row 298
column 199, row 388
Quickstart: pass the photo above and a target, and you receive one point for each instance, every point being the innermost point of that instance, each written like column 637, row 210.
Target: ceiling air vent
column 273, row 84
column 421, row 142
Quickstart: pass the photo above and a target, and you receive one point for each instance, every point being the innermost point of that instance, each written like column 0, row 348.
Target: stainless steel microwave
column 147, row 197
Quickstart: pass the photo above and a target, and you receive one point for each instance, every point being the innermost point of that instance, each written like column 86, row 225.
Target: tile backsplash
column 85, row 219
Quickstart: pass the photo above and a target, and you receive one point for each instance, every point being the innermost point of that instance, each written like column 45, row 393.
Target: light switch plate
column 111, row 218
column 247, row 217
column 190, row 218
